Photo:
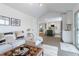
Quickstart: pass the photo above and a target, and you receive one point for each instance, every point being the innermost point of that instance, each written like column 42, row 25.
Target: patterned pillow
column 10, row 38
column 2, row 39
column 19, row 34
column 1, row 35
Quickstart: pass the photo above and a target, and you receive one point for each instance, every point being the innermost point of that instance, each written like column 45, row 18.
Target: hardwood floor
column 51, row 40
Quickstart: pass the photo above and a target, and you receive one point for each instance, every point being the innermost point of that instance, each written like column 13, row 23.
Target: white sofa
column 11, row 43
column 18, row 43
column 38, row 40
column 5, row 47
column 35, row 40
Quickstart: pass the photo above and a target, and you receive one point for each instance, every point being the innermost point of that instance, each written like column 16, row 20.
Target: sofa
column 17, row 43
column 12, row 40
column 5, row 47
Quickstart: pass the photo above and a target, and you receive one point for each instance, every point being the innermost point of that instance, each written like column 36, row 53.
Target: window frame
column 5, row 19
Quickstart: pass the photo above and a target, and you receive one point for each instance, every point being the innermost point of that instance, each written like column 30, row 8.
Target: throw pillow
column 19, row 34
column 10, row 38
column 2, row 39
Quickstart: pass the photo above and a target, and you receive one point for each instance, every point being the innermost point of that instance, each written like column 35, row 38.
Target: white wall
column 48, row 17
column 34, row 25
column 26, row 20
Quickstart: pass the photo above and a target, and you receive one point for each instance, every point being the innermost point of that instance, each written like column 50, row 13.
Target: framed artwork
column 68, row 27
column 15, row 22
column 4, row 21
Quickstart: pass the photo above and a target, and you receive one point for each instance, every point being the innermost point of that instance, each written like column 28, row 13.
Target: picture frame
column 68, row 27
column 15, row 22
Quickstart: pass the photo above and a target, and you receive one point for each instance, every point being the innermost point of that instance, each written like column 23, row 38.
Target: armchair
column 34, row 40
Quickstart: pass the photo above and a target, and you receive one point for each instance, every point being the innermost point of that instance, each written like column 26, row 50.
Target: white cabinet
column 67, row 19
column 67, row 34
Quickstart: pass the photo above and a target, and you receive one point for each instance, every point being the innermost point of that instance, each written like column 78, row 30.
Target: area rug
column 69, row 47
column 50, row 50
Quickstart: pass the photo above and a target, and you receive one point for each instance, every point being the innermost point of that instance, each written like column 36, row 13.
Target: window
column 4, row 20
column 7, row 21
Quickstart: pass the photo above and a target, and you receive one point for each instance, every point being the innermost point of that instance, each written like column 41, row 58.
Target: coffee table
column 32, row 51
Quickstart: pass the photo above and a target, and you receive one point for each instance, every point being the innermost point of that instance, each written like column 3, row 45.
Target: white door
column 77, row 29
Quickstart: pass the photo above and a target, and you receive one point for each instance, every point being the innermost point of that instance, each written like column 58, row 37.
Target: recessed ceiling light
column 41, row 4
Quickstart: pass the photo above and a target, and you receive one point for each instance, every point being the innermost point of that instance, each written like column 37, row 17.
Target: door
column 77, row 29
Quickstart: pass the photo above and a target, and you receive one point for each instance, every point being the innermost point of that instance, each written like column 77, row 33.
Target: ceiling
column 38, row 10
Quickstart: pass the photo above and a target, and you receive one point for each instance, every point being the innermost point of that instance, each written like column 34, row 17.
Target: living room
column 20, row 25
